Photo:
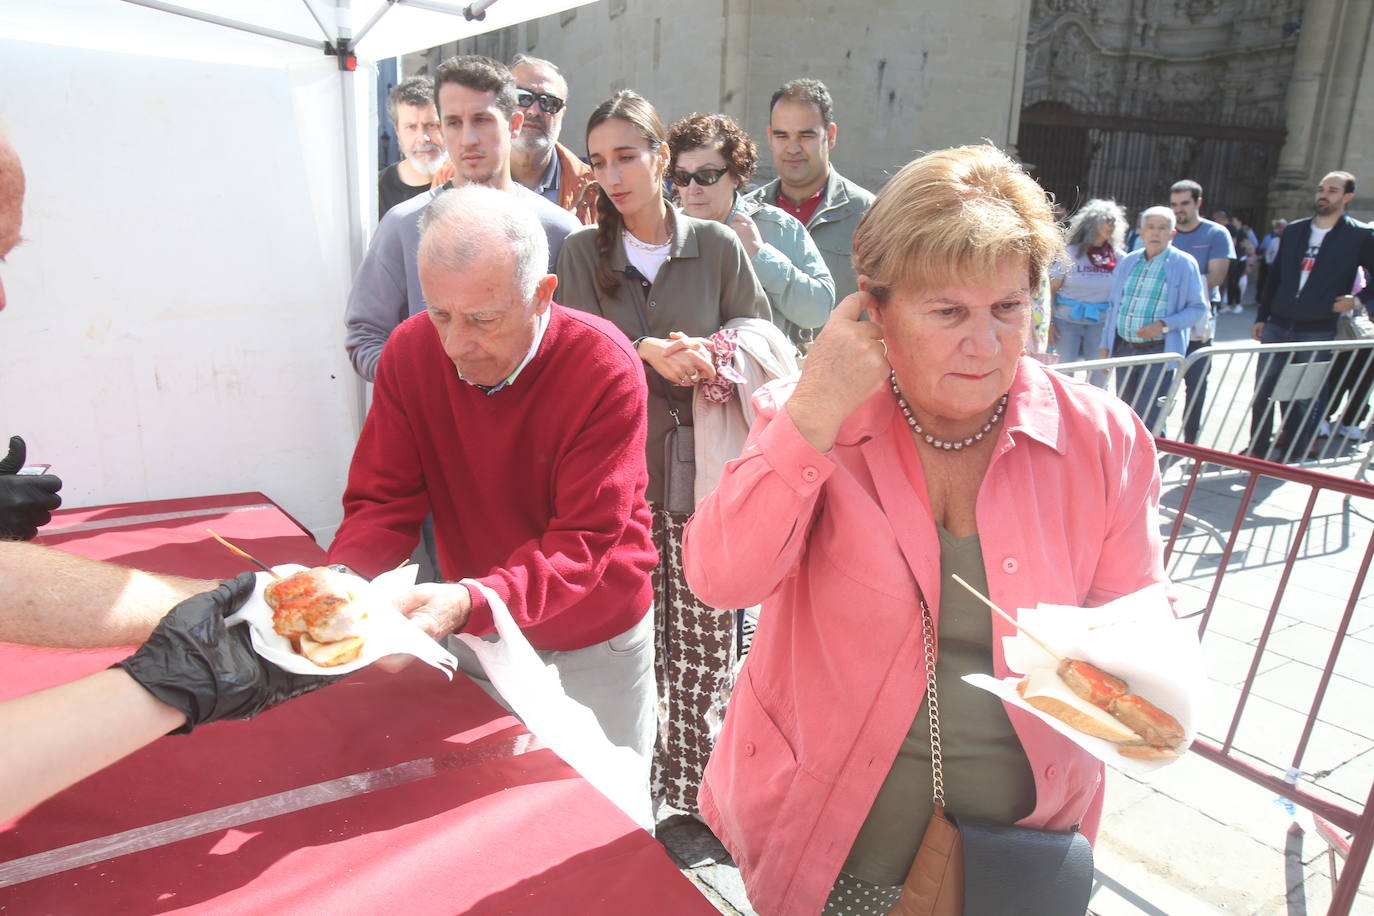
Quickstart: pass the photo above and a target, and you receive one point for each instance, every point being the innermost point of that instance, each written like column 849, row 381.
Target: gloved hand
column 26, row 501
column 193, row 662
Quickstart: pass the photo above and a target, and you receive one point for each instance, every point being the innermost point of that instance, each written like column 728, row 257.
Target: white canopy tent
column 198, row 197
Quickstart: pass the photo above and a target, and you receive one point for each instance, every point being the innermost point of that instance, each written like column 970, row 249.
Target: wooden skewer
column 1008, row 618
column 247, row 556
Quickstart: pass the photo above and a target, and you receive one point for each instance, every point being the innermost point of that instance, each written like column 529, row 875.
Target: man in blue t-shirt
column 1212, row 248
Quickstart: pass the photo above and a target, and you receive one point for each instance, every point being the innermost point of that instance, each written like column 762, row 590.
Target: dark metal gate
column 1133, row 160
column 1121, row 100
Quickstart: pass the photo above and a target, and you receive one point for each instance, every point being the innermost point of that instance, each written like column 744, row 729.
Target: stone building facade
column 1255, row 99
column 905, row 76
column 1121, row 100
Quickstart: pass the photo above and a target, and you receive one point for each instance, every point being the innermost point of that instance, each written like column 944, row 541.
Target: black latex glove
column 193, row 662
column 26, row 500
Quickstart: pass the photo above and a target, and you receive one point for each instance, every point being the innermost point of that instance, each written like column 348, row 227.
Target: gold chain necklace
column 643, row 246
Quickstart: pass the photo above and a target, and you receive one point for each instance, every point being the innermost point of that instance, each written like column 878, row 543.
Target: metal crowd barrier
column 1289, row 389
column 1269, row 747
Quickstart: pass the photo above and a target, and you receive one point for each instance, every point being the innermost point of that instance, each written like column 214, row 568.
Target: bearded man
column 410, row 107
column 538, row 161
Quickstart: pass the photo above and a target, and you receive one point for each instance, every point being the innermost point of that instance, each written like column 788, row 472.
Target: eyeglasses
column 703, row 177
column 551, row 104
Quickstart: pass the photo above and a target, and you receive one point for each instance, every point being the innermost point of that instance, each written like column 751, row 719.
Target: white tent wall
column 175, row 319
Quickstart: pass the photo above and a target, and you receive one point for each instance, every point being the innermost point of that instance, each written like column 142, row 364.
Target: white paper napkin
column 535, row 693
column 1136, row 638
column 385, row 630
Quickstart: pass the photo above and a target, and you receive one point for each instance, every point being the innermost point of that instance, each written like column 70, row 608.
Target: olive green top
column 986, row 772
column 706, row 282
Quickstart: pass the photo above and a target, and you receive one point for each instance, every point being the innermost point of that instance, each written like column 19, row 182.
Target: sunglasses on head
column 703, row 177
column 551, row 104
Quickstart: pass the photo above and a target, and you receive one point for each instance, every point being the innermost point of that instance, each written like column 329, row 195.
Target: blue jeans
column 1143, row 387
column 1295, row 436
column 1079, row 341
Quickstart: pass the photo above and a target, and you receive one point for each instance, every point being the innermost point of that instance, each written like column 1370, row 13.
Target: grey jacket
column 832, row 225
column 790, row 267
column 386, row 290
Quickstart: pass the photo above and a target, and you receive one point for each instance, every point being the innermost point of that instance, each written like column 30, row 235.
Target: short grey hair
column 525, row 60
column 1159, row 211
column 417, row 91
column 1082, row 229
column 462, row 224
column 521, row 60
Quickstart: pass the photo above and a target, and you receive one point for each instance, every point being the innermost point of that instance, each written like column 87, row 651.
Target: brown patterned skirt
column 694, row 661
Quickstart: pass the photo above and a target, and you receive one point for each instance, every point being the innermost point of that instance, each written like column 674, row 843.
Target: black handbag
column 1007, row 870
column 1016, row 870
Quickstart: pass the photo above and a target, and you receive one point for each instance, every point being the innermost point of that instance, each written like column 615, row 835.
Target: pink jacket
column 1067, row 514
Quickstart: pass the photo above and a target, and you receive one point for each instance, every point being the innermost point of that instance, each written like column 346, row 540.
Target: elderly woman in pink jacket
column 915, row 445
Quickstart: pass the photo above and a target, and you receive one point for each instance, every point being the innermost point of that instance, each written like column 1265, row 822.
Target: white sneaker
column 1351, row 432
column 1237, row 309
column 1323, row 430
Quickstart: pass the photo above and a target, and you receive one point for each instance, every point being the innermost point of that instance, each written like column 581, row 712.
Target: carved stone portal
column 1121, row 100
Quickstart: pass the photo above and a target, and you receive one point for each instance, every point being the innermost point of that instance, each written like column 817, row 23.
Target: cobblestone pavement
column 1195, row 838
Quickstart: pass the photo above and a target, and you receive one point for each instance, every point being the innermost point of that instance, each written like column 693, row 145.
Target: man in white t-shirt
column 1306, row 289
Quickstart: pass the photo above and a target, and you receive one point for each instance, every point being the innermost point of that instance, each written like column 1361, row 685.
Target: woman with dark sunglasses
column 669, row 281
column 710, row 159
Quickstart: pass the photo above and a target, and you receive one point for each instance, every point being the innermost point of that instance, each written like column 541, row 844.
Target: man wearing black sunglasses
column 480, row 115
column 538, row 161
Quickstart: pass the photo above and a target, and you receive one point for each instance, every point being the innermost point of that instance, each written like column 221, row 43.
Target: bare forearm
column 59, row 736
column 51, row 598
column 1216, row 272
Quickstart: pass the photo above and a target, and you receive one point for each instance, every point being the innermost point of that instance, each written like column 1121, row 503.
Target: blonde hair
column 955, row 214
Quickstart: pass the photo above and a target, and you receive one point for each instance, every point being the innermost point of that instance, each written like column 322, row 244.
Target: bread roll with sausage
column 1047, row 692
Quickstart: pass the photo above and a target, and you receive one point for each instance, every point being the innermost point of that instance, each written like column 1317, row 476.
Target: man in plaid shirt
column 1157, row 296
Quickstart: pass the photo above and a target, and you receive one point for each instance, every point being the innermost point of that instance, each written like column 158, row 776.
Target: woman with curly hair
column 710, row 159
column 669, row 281
column 1095, row 241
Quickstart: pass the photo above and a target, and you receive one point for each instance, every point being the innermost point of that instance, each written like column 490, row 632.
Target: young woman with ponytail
column 669, row 282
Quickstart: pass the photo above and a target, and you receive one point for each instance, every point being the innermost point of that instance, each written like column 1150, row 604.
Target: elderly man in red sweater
column 520, row 425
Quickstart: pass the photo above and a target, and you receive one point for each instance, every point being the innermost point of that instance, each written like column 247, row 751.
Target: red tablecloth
column 380, row 793
column 167, row 536
column 170, row 536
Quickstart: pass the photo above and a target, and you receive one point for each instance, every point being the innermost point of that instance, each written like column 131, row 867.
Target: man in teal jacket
column 801, row 133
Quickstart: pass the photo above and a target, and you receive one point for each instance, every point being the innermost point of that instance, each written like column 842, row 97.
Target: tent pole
column 357, row 219
column 475, row 10
column 229, row 23
column 352, row 167
column 310, row 7
column 367, row 26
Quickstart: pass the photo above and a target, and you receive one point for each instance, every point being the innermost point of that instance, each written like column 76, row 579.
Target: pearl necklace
column 644, row 246
column 948, row 445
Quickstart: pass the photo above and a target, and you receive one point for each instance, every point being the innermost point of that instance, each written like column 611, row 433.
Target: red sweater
column 537, row 490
